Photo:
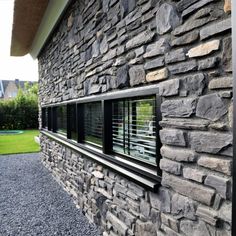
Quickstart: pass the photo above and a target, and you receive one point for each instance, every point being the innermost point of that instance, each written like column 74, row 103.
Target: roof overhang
column 33, row 21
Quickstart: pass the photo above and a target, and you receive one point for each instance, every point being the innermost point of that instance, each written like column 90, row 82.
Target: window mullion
column 80, row 122
column 107, row 126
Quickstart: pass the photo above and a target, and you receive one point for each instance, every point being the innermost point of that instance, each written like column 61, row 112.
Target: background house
column 9, row 88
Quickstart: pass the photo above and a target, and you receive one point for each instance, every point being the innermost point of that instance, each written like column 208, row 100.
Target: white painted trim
column 50, row 19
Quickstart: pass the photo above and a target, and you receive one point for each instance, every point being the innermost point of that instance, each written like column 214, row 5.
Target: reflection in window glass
column 134, row 128
column 93, row 123
column 62, row 119
column 72, row 121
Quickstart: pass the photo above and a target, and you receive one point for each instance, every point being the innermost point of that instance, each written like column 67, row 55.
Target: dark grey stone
column 196, row 6
column 170, row 166
column 137, row 75
column 222, row 185
column 167, row 18
column 169, row 88
column 183, row 67
column 127, row 6
column 175, row 56
column 227, row 54
column 183, row 4
column 211, row 107
column 155, row 63
column 183, row 207
column 178, row 108
column 210, row 142
column 161, row 200
column 192, row 84
column 142, row 38
column 216, row 28
column 208, row 63
column 173, row 137
column 185, row 39
column 122, row 76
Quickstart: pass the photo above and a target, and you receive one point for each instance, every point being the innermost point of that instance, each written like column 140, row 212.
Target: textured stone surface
column 204, row 49
column 170, row 166
column 183, row 207
column 193, row 174
column 185, row 39
column 173, row 137
column 157, row 75
column 221, row 185
column 183, row 67
column 178, row 108
column 137, row 75
column 215, row 28
column 207, row 214
column 224, row 82
column 195, row 191
column 227, row 54
column 155, row 63
column 144, row 37
column 169, row 88
column 116, row 223
column 122, row 77
column 175, row 56
column 211, row 107
column 208, row 63
column 210, row 142
column 217, row 164
column 227, row 6
column 145, row 229
column 167, row 18
column 175, row 154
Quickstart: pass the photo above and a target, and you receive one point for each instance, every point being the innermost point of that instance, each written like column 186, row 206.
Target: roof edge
column 49, row 21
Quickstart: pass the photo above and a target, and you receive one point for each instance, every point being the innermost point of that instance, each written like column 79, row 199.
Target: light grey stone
column 167, row 18
column 109, row 55
column 170, row 221
column 195, row 191
column 216, row 164
column 225, row 212
column 183, row 4
column 221, row 185
column 210, row 142
column 184, row 124
column 169, row 88
column 203, row 229
column 142, row 38
column 207, row 214
column 173, row 137
column 170, row 166
column 178, row 108
column 155, row 63
column 211, row 107
column 183, row 207
column 145, row 228
column 177, row 154
column 183, row 67
column 137, row 75
column 95, row 88
column 116, row 223
column 216, row 28
column 158, row 48
column 175, row 56
column 104, row 45
column 208, row 63
column 193, row 174
column 145, row 208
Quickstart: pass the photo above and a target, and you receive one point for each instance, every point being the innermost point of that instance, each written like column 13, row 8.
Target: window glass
column 134, row 128
column 72, row 121
column 93, row 123
column 61, row 119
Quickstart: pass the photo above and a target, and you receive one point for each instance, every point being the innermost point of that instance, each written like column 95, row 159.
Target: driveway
column 33, row 203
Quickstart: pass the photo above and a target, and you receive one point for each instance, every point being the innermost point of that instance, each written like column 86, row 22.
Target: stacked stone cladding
column 184, row 47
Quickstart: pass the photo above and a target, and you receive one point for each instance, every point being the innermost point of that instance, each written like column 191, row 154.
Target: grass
column 19, row 143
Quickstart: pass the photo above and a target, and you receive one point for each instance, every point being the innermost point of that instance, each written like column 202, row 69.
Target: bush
column 22, row 111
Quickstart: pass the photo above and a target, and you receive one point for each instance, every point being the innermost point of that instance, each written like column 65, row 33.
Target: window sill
column 143, row 175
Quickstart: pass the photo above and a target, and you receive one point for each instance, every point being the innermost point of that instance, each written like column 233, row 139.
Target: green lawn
column 19, row 143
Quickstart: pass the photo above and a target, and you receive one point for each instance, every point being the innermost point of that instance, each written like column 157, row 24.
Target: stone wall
column 182, row 46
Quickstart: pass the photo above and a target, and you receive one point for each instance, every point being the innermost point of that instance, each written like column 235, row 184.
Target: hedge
column 20, row 112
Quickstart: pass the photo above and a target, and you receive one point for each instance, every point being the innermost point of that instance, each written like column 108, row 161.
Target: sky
column 11, row 68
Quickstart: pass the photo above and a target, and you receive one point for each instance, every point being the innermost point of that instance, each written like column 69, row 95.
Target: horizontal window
column 123, row 130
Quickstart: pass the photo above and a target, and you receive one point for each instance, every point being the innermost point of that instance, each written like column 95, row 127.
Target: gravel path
column 32, row 202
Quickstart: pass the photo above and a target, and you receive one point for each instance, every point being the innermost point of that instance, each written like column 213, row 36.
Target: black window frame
column 146, row 170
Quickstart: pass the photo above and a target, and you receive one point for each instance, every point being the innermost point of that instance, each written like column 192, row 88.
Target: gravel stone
column 33, row 203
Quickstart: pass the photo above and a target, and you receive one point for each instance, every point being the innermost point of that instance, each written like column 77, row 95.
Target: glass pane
column 133, row 128
column 62, row 119
column 93, row 122
column 73, row 128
